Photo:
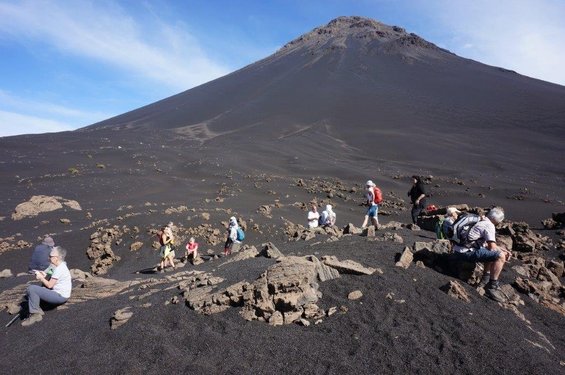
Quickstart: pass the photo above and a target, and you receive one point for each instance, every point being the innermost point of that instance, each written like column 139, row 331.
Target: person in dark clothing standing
column 417, row 195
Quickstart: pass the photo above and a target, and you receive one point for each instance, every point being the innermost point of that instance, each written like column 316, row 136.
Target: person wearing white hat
column 328, row 217
column 446, row 224
column 232, row 243
column 372, row 212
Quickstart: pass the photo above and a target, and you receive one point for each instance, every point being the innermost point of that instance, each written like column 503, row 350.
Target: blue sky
column 69, row 63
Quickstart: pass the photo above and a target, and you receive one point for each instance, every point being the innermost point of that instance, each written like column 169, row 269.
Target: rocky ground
column 292, row 300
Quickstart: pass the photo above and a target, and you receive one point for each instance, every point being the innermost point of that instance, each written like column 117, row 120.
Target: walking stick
column 16, row 316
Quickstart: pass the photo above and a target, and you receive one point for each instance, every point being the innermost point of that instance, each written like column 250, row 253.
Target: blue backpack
column 240, row 234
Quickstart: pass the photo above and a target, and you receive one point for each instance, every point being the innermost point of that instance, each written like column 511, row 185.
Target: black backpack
column 459, row 232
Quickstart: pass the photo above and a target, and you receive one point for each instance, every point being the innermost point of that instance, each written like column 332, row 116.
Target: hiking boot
column 496, row 295
column 33, row 318
column 484, row 282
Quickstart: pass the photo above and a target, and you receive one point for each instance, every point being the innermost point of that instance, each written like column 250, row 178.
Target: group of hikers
column 235, row 235
column 473, row 239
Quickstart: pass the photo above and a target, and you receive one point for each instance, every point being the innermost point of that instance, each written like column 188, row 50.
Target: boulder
column 351, row 229
column 369, row 231
column 286, row 287
column 551, row 224
column 504, row 241
column 6, row 273
column 276, row 319
column 437, row 246
column 269, row 250
column 198, row 260
column 77, row 274
column 324, row 272
column 557, row 267
column 304, row 322
column 392, row 225
column 347, row 266
column 41, row 203
column 355, row 295
column 415, row 228
column 136, row 246
column 546, row 275
column 469, row 272
column 456, row 290
column 313, row 311
column 405, row 259
column 36, row 205
column 247, row 252
column 308, row 235
column 120, row 317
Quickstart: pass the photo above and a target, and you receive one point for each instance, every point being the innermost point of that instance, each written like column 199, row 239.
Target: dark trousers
column 416, row 209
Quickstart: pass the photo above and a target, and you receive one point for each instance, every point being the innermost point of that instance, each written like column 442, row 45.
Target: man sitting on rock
column 481, row 247
column 40, row 257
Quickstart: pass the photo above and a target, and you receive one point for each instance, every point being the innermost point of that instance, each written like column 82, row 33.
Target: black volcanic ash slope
column 360, row 87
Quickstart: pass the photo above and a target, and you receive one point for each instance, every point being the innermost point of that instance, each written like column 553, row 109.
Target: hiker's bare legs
column 365, row 221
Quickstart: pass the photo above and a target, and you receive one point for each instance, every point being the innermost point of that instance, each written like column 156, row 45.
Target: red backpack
column 377, row 195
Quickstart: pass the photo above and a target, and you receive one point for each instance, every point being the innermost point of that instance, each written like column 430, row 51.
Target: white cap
column 370, row 183
column 452, row 210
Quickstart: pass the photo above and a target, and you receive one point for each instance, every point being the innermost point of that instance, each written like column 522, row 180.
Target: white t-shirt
column 329, row 218
column 313, row 219
column 482, row 232
column 64, row 283
column 370, row 195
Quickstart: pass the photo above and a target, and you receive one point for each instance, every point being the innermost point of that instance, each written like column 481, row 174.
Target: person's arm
column 422, row 196
column 48, row 283
column 422, row 191
column 491, row 245
column 166, row 239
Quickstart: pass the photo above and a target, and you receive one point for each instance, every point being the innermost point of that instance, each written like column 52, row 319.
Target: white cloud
column 523, row 35
column 19, row 116
column 98, row 30
column 16, row 123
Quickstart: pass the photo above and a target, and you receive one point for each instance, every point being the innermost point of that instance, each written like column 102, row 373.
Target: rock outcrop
column 100, row 249
column 120, row 317
column 42, row 203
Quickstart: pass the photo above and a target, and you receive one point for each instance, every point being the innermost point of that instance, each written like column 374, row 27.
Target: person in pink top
column 192, row 247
